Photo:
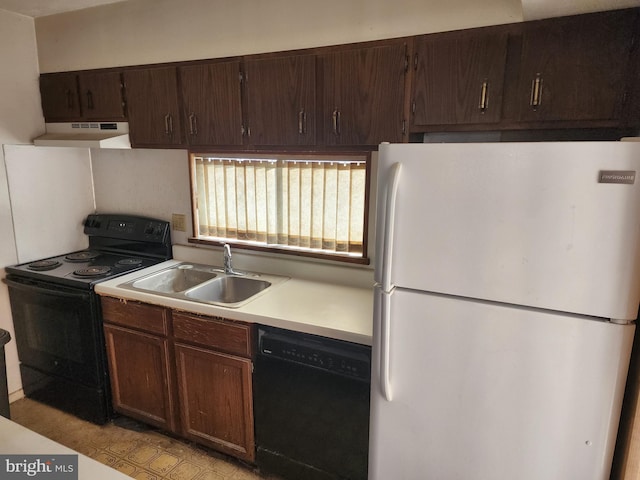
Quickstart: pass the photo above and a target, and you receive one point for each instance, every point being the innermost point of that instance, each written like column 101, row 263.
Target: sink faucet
column 228, row 269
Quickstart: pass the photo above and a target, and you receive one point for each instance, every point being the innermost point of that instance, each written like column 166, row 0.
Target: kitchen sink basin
column 228, row 290
column 205, row 284
column 174, row 280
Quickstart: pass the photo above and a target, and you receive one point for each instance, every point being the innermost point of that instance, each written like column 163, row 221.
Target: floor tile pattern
column 136, row 450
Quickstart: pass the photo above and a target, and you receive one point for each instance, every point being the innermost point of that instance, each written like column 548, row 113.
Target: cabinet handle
column 484, row 97
column 336, row 121
column 193, row 124
column 90, row 100
column 536, row 92
column 168, row 124
column 69, row 99
column 302, row 122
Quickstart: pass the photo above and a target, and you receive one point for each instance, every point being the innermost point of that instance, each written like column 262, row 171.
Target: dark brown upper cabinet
column 77, row 96
column 153, row 109
column 281, row 100
column 59, row 94
column 459, row 77
column 572, row 69
column 101, row 96
column 363, row 95
column 212, row 106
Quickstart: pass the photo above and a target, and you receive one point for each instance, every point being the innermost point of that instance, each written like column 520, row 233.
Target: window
column 304, row 204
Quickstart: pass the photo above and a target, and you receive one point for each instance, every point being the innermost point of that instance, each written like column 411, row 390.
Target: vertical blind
column 300, row 203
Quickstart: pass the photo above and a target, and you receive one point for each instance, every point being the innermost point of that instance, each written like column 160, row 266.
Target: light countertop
column 334, row 311
column 18, row 440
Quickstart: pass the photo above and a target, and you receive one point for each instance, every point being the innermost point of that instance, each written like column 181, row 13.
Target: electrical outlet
column 178, row 222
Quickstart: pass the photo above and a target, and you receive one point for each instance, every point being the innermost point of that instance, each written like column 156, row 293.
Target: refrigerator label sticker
column 627, row 177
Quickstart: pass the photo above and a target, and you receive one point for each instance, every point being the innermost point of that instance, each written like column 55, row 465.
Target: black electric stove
column 118, row 244
column 57, row 316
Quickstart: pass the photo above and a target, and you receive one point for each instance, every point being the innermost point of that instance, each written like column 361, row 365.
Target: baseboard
column 17, row 395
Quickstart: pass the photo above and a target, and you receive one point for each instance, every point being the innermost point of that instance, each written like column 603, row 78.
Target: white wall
column 20, row 120
column 152, row 31
column 153, row 183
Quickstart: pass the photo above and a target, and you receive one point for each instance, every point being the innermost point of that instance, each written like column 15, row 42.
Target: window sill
column 297, row 253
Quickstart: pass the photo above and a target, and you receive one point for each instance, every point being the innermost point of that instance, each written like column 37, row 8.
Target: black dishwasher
column 311, row 406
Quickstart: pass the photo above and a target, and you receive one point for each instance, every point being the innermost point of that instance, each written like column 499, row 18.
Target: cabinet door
column 59, row 94
column 216, row 400
column 101, row 96
column 140, row 379
column 364, row 95
column 573, row 68
column 212, row 103
column 281, row 100
column 152, row 104
column 459, row 78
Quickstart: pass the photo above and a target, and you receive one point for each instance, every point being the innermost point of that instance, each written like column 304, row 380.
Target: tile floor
column 136, row 450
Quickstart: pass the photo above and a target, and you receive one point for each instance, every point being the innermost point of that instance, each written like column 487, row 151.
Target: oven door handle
column 34, row 287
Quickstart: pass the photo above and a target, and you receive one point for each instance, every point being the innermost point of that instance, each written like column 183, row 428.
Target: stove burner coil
column 43, row 265
column 89, row 272
column 129, row 262
column 84, row 256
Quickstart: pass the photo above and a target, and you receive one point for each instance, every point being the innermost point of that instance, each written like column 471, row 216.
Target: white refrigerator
column 508, row 280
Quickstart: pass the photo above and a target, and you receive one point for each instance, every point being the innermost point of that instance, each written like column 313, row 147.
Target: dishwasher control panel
column 334, row 356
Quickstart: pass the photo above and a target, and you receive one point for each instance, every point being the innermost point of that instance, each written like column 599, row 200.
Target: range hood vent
column 86, row 135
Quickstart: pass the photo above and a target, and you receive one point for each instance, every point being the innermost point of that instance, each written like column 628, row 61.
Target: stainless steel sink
column 176, row 279
column 228, row 290
column 205, row 284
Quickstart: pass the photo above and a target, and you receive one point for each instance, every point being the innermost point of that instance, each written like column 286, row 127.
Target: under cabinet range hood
column 85, row 135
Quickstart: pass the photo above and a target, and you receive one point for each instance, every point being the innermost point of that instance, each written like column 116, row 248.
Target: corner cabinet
column 459, row 78
column 188, row 374
column 573, row 69
column 281, row 100
column 363, row 95
column 212, row 105
column 153, row 107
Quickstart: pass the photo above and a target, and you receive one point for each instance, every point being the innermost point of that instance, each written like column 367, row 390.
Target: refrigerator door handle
column 385, row 351
column 389, row 224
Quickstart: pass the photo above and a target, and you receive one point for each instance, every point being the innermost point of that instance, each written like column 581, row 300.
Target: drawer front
column 215, row 333
column 141, row 316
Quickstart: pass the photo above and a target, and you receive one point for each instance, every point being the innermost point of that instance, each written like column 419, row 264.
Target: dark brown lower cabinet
column 187, row 374
column 140, row 379
column 216, row 400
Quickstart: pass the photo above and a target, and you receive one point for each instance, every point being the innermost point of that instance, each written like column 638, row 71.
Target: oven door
column 56, row 330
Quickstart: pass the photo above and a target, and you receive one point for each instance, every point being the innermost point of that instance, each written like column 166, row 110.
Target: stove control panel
column 127, row 227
